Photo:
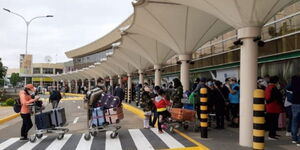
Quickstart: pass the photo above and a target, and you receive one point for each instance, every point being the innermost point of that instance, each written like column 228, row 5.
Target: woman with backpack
column 26, row 99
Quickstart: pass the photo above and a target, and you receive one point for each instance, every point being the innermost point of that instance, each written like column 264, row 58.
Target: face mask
column 278, row 86
column 30, row 92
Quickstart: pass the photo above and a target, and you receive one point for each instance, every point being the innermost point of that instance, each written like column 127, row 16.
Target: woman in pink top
column 26, row 99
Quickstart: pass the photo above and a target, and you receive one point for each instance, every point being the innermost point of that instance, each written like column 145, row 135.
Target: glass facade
column 85, row 61
column 47, row 70
column 36, row 70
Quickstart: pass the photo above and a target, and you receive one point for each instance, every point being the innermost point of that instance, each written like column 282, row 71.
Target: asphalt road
column 131, row 135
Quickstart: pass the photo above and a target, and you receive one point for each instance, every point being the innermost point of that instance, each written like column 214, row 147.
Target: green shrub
column 10, row 102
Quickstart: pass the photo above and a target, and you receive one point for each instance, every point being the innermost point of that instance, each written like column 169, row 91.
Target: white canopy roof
column 238, row 13
column 182, row 28
column 148, row 48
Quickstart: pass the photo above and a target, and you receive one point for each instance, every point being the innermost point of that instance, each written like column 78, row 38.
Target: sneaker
column 273, row 138
column 24, row 139
column 298, row 145
column 294, row 142
column 288, row 134
column 160, row 132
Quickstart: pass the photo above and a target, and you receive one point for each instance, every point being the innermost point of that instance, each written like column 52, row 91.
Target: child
column 161, row 104
column 146, row 104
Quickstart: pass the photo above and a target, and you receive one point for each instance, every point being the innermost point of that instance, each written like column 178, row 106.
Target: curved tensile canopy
column 238, row 13
column 182, row 28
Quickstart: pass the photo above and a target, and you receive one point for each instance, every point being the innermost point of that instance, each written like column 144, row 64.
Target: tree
column 15, row 78
column 3, row 70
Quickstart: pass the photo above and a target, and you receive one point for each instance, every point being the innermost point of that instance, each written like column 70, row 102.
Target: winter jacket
column 161, row 103
column 273, row 99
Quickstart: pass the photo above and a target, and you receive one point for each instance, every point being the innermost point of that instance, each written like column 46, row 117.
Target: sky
column 75, row 23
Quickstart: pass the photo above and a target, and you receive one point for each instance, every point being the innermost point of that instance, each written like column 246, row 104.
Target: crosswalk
column 129, row 139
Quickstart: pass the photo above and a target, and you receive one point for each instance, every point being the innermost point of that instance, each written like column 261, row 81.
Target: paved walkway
column 6, row 111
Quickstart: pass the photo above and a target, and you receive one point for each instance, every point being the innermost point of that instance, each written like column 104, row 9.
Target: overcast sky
column 75, row 24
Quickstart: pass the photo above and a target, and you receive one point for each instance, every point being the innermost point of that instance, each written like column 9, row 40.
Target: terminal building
column 166, row 39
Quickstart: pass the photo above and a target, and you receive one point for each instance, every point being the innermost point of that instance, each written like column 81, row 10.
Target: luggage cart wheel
column 185, row 126
column 114, row 135
column 94, row 134
column 39, row 135
column 60, row 136
column 87, row 136
column 171, row 129
column 32, row 138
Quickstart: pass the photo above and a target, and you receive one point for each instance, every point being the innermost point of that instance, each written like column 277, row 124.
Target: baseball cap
column 30, row 86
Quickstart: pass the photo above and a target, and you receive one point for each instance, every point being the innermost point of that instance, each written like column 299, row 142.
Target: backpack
column 17, row 105
column 192, row 98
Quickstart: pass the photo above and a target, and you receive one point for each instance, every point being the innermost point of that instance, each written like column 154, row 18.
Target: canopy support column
column 129, row 85
column 89, row 84
column 157, row 80
column 184, row 71
column 248, row 75
column 120, row 80
column 76, row 86
column 141, row 77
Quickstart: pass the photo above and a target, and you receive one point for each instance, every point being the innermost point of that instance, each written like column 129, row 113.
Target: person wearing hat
column 26, row 99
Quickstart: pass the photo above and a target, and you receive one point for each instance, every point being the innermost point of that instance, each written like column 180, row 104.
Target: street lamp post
column 27, row 26
column 27, row 23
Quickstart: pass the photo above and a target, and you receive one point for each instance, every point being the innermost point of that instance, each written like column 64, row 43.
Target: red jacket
column 273, row 99
column 161, row 103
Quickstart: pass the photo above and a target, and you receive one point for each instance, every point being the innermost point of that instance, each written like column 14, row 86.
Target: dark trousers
column 153, row 118
column 26, row 126
column 234, row 109
column 55, row 103
column 161, row 117
column 220, row 120
column 289, row 114
column 272, row 123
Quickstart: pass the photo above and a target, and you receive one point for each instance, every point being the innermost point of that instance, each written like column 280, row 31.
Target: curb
column 8, row 118
column 140, row 113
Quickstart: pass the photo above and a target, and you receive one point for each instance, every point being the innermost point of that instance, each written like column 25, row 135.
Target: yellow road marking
column 140, row 113
column 8, row 118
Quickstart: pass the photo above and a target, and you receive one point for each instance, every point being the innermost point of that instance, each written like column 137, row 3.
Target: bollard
column 136, row 98
column 140, row 97
column 126, row 96
column 203, row 112
column 129, row 95
column 258, row 119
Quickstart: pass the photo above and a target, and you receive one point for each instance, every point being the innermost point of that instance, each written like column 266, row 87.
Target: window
column 36, row 70
column 60, row 71
column 47, row 70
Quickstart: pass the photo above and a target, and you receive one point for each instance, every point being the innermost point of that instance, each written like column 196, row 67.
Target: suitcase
column 43, row 120
column 179, row 114
column 114, row 115
column 58, row 117
column 111, row 102
column 113, row 111
column 98, row 118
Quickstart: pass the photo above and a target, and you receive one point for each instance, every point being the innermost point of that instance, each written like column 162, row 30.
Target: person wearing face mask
column 234, row 101
column 274, row 106
column 26, row 99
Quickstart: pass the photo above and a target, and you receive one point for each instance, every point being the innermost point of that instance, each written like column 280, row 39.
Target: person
column 119, row 92
column 201, row 84
column 196, row 82
column 219, row 103
column 274, row 106
column 161, row 107
column 295, row 85
column 225, row 92
column 288, row 106
column 54, row 98
column 177, row 94
column 234, row 101
column 154, row 114
column 26, row 99
column 147, row 105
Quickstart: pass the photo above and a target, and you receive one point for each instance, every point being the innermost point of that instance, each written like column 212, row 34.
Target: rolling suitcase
column 58, row 117
column 43, row 120
column 180, row 114
column 98, row 118
column 110, row 101
column 114, row 115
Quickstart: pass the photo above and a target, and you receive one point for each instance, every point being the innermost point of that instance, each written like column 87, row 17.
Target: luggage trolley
column 171, row 124
column 38, row 134
column 91, row 98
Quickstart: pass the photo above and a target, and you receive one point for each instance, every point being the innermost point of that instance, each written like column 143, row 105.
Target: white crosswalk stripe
column 30, row 145
column 8, row 142
column 168, row 139
column 141, row 139
column 84, row 144
column 58, row 144
column 114, row 144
